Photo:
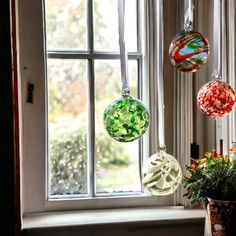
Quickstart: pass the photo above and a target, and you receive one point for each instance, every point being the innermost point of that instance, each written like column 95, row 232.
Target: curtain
column 230, row 62
column 207, row 131
column 183, row 112
column 190, row 125
column 153, row 52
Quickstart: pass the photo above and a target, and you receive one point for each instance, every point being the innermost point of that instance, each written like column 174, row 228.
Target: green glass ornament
column 126, row 119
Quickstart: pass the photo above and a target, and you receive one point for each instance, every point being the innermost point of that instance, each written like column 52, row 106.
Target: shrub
column 68, row 164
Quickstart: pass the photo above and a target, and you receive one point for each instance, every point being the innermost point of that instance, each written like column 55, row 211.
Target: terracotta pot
column 222, row 217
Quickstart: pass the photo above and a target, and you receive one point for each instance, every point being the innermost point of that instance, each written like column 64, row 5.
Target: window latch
column 30, row 89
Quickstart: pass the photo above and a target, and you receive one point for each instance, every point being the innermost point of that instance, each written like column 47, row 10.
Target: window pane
column 106, row 25
column 117, row 164
column 66, row 24
column 67, row 126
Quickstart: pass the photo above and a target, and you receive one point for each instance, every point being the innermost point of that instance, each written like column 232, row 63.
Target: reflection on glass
column 66, row 24
column 117, row 168
column 106, row 25
column 67, row 126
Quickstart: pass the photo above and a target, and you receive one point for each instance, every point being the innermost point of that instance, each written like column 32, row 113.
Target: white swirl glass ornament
column 161, row 173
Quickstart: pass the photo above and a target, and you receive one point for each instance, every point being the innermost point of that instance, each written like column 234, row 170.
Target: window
column 83, row 77
column 69, row 162
column 89, row 59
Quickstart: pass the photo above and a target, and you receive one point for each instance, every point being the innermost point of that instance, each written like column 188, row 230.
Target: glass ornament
column 161, row 174
column 126, row 119
column 189, row 51
column 216, row 99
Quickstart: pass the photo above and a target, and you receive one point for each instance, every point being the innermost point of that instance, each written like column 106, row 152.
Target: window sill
column 127, row 216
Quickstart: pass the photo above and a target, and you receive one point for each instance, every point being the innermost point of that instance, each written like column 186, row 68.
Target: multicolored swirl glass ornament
column 162, row 173
column 126, row 119
column 189, row 51
column 216, row 99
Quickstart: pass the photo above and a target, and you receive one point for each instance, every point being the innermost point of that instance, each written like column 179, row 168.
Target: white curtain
column 183, row 112
column 183, row 121
column 154, row 72
column 172, row 125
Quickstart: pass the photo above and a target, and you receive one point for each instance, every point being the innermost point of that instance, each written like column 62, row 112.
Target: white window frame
column 34, row 173
column 91, row 55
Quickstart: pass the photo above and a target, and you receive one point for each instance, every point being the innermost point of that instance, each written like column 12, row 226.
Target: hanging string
column 123, row 51
column 188, row 15
column 217, row 42
column 160, row 82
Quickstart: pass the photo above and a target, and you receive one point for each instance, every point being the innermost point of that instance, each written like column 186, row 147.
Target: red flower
column 194, row 167
column 214, row 154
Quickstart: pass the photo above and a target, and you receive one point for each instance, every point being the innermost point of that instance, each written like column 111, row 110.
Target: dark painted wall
column 180, row 229
column 6, row 126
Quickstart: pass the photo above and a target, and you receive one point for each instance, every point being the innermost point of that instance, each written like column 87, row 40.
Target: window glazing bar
column 140, row 96
column 91, row 56
column 98, row 195
column 140, row 82
column 91, row 108
column 139, row 25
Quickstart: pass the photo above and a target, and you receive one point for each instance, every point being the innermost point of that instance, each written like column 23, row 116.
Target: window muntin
column 89, row 162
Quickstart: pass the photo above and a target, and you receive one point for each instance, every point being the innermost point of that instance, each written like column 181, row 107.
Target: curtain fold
column 153, row 71
column 231, row 61
column 183, row 113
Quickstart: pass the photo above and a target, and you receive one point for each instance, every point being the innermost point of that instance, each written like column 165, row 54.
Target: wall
column 7, row 200
column 179, row 229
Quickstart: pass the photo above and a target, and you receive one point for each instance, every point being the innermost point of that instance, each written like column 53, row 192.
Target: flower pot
column 222, row 217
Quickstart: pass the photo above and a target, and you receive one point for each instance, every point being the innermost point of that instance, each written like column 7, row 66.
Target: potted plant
column 212, row 183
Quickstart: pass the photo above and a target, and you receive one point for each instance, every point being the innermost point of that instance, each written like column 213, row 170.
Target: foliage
column 109, row 153
column 66, row 24
column 68, row 172
column 213, row 177
column 68, row 161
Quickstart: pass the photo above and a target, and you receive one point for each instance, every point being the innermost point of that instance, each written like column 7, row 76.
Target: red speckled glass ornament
column 216, row 99
column 189, row 51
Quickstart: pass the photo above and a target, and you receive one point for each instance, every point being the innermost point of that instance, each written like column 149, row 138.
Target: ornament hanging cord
column 123, row 51
column 188, row 15
column 160, row 82
column 217, row 41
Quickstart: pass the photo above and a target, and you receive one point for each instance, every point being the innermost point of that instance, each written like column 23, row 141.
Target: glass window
column 106, row 25
column 67, row 126
column 83, row 77
column 117, row 164
column 66, row 24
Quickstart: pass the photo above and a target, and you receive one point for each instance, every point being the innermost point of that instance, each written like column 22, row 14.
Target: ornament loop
column 188, row 26
column 125, row 92
column 162, row 149
column 216, row 75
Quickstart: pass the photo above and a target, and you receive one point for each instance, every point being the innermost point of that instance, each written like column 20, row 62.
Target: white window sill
column 153, row 215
